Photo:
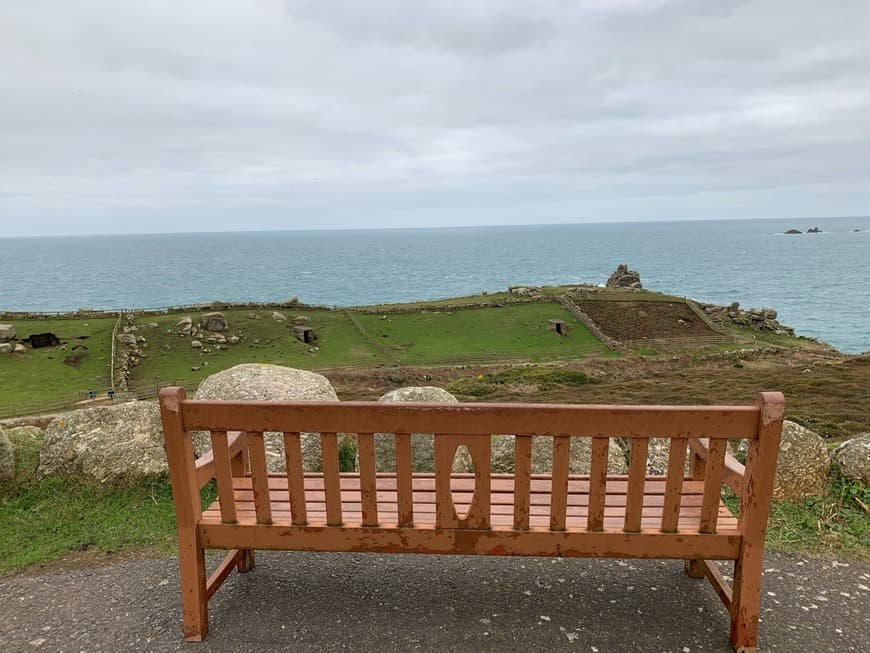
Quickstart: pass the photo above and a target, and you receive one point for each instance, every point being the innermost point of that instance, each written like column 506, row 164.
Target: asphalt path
column 373, row 602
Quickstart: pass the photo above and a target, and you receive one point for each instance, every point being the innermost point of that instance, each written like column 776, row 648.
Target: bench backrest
column 237, row 429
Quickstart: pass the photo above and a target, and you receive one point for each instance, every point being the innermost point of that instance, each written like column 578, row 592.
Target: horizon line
column 430, row 227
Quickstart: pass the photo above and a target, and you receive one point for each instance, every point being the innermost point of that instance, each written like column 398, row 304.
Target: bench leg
column 746, row 602
column 194, row 597
column 247, row 562
column 694, row 569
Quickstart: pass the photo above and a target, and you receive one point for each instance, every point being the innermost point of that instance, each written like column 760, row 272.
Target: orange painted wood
column 237, row 446
column 331, row 479
column 712, row 486
column 559, row 492
column 185, row 495
column 478, row 510
column 674, row 485
column 295, row 477
column 367, row 478
column 259, row 476
column 473, row 419
column 597, row 483
column 733, row 472
column 754, row 508
column 597, row 515
column 717, row 580
column 224, row 569
column 404, row 485
column 223, row 475
column 645, row 544
column 522, row 481
column 636, row 481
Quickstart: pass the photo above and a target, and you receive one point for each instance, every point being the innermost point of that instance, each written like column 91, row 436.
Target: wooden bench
column 678, row 515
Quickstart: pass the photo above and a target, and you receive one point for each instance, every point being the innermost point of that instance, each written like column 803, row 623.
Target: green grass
column 44, row 520
column 429, row 337
column 263, row 340
column 835, row 524
column 42, row 376
column 539, row 377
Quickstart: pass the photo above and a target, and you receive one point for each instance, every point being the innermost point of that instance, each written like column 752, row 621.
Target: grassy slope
column 432, row 337
column 40, row 375
column 338, row 344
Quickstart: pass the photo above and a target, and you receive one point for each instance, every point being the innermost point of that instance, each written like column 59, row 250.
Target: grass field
column 41, row 375
column 430, row 337
column 262, row 340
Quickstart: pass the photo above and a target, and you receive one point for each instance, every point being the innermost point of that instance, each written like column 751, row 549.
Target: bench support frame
column 473, row 533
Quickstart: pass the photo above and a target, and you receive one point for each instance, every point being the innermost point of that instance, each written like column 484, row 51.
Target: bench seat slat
column 501, row 510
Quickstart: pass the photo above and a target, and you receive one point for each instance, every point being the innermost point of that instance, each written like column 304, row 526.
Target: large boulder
column 7, row 458
column 853, row 459
column 7, row 332
column 20, row 432
column 120, row 444
column 542, row 455
column 422, row 444
column 126, row 339
column 213, row 321
column 256, row 381
column 802, row 467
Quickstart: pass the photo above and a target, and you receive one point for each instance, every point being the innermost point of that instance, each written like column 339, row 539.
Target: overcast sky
column 172, row 116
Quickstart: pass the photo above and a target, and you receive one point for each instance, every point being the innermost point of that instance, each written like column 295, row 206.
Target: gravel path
column 330, row 602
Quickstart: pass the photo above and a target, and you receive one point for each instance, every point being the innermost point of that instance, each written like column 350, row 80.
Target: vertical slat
column 259, row 477
column 295, row 478
column 636, row 483
column 712, row 486
column 522, row 481
column 597, row 483
column 367, row 479
column 674, row 484
column 331, row 478
column 559, row 489
column 404, row 479
column 224, row 474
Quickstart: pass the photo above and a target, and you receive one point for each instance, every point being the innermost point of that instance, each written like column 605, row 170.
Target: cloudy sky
column 175, row 116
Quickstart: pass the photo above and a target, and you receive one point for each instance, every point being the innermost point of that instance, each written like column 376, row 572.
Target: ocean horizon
column 817, row 282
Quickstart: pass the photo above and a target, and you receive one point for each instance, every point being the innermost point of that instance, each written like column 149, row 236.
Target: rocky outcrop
column 853, row 459
column 7, row 458
column 624, row 278
column 542, row 455
column 27, row 431
column 7, row 332
column 422, row 444
column 119, row 444
column 803, row 463
column 270, row 383
column 214, row 321
column 762, row 319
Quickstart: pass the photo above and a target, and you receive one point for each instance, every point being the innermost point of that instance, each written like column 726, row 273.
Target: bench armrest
column 733, row 472
column 237, row 442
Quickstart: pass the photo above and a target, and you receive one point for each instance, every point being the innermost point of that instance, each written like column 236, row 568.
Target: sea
column 819, row 283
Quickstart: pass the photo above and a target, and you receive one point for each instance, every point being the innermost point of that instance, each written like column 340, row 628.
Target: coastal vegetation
column 489, row 347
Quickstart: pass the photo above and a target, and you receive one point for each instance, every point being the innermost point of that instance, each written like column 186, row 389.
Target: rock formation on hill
column 624, row 278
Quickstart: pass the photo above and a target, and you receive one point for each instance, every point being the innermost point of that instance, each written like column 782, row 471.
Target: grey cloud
column 385, row 113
